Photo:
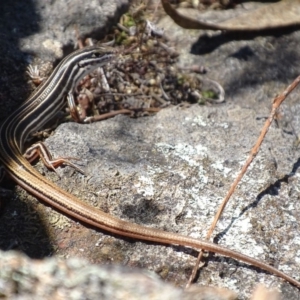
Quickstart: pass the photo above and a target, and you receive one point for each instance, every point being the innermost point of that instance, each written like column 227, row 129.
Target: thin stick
column 276, row 103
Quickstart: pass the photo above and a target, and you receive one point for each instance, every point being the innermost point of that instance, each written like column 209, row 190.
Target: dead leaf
column 268, row 17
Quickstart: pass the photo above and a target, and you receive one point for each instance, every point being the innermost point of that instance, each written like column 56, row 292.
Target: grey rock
column 171, row 170
column 61, row 21
column 52, row 278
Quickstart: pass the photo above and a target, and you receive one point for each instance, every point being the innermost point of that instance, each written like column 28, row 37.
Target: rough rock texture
column 139, row 170
column 171, row 170
column 54, row 25
column 52, row 278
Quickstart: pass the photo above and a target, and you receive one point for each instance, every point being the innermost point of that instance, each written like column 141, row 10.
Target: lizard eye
column 96, row 54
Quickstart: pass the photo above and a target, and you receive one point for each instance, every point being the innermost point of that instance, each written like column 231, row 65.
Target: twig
column 119, row 112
